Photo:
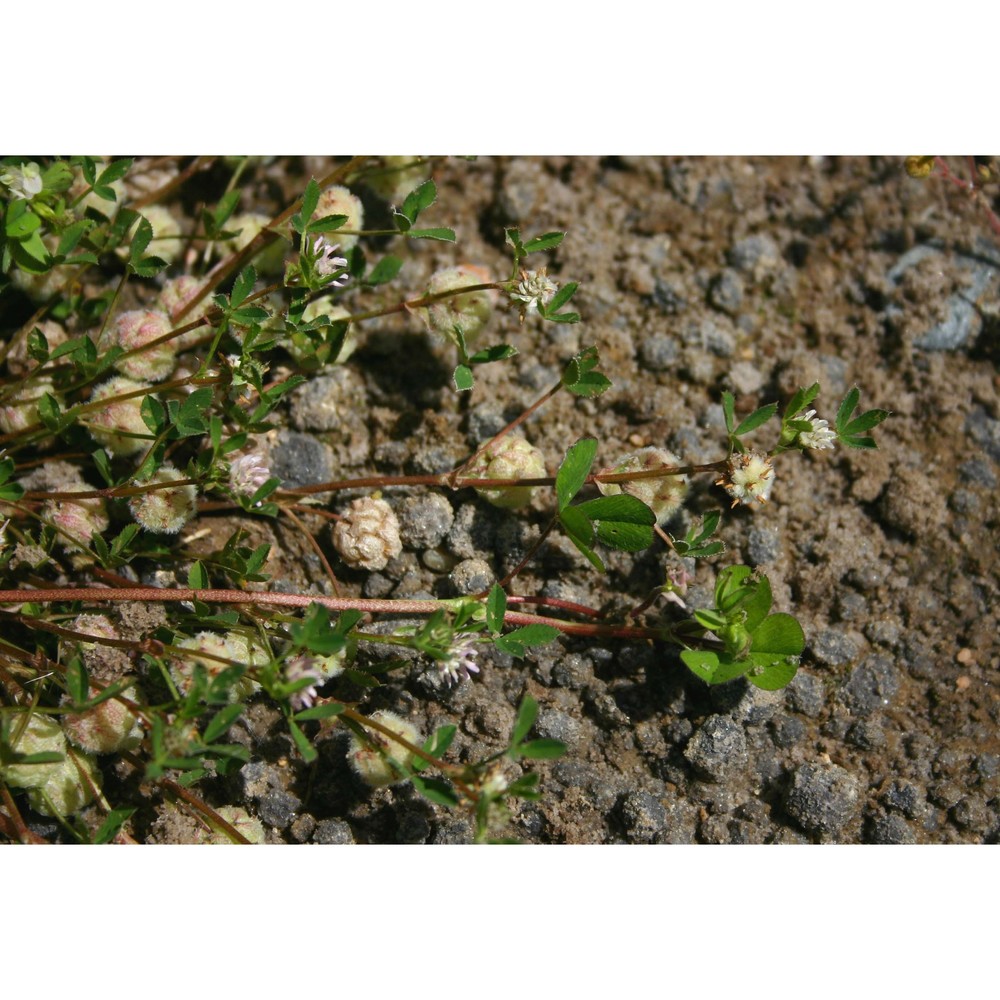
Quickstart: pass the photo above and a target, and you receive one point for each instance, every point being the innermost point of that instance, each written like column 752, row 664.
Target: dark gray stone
column 866, row 734
column 834, row 647
column 763, row 545
column 726, row 291
column 472, row 576
column 485, row 421
column 718, row 750
column 984, row 431
column 332, row 831
column 454, row 830
column 300, row 460
column 658, row 352
column 668, row 297
column 278, row 808
column 424, row 520
column 573, row 671
column 973, row 814
column 824, row 798
column 890, row 829
column 755, row 255
column 788, row 730
column 644, row 817
column 978, row 472
column 872, row 685
column 556, row 725
column 806, row 694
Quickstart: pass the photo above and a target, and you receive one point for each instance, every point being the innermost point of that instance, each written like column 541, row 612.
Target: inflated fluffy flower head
column 209, row 649
column 469, row 312
column 662, row 496
column 535, row 288
column 370, row 762
column 164, row 511
column 820, row 437
column 301, row 348
column 76, row 521
column 367, row 534
column 40, row 734
column 19, row 361
column 134, row 329
column 510, row 458
column 271, row 260
column 114, row 424
column 338, row 200
column 398, row 177
column 241, row 821
column 69, row 788
column 174, row 296
column 108, row 727
column 19, row 410
column 167, row 242
column 748, row 478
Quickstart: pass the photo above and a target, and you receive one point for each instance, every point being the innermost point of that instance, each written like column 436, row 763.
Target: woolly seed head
column 105, row 728
column 469, row 312
column 662, row 496
column 338, row 200
column 164, row 511
column 135, row 329
column 510, row 458
column 113, row 424
column 370, row 763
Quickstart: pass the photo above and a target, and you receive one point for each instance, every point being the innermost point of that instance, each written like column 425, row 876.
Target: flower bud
column 367, row 534
column 662, row 496
column 370, row 763
column 509, row 458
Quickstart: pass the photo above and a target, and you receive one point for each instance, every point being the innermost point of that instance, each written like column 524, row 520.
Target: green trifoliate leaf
column 547, row 241
column 463, row 378
column 496, row 608
column 758, row 417
column 526, row 714
column 574, row 470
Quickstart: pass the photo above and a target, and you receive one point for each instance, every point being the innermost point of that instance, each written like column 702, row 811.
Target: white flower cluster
column 24, row 181
column 534, row 289
column 820, row 436
column 327, row 262
column 749, row 477
column 461, row 659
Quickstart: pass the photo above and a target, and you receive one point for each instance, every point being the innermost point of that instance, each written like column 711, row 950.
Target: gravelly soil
column 757, row 276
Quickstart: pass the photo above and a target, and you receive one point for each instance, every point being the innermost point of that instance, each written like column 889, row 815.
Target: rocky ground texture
column 756, row 276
